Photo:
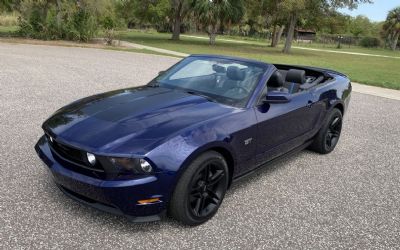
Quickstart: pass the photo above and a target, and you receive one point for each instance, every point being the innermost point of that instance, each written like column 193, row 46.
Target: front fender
column 176, row 154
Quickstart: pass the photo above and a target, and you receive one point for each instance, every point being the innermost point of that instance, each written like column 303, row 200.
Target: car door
column 284, row 126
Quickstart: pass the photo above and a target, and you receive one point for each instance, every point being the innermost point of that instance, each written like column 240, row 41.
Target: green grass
column 376, row 71
column 8, row 31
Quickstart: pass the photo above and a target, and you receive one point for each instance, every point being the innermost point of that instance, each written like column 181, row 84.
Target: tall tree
column 277, row 18
column 143, row 12
column 294, row 9
column 180, row 8
column 392, row 27
column 360, row 26
column 214, row 13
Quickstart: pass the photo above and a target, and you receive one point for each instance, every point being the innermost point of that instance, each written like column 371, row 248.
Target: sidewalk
column 139, row 46
column 376, row 91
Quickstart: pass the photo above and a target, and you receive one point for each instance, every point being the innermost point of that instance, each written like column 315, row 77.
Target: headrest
column 218, row 68
column 276, row 80
column 296, row 76
column 234, row 73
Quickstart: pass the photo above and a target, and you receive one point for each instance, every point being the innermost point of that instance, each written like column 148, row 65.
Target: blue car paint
column 170, row 128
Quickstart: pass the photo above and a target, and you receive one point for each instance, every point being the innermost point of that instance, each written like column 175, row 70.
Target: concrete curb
column 376, row 91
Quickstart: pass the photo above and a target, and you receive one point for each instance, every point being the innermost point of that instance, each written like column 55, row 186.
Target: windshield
column 221, row 80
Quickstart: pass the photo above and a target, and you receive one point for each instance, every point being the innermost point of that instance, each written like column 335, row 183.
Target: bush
column 8, row 19
column 370, row 42
column 109, row 24
column 71, row 20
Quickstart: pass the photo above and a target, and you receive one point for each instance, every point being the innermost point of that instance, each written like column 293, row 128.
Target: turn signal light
column 149, row 201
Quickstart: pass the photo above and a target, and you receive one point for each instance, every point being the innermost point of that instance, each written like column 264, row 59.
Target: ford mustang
column 174, row 146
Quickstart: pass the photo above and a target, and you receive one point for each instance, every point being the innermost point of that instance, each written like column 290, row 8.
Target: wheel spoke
column 195, row 189
column 328, row 140
column 207, row 173
column 198, row 207
column 335, row 134
column 216, row 177
column 195, row 194
column 213, row 197
column 335, row 122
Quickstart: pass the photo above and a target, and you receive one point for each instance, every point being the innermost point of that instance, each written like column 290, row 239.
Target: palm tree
column 392, row 26
column 215, row 13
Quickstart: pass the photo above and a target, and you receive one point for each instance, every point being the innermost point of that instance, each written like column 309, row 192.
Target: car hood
column 129, row 121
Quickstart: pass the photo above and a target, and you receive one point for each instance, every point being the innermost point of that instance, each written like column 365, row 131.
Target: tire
column 328, row 136
column 200, row 190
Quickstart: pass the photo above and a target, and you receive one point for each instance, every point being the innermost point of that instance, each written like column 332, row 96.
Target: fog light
column 91, row 158
column 146, row 167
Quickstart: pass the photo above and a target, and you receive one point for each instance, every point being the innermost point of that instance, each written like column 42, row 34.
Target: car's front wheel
column 328, row 136
column 200, row 190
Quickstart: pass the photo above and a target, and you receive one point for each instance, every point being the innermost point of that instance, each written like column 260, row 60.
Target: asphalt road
column 347, row 199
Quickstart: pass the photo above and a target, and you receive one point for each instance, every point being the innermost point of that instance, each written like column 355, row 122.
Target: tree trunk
column 395, row 40
column 290, row 32
column 213, row 38
column 277, row 35
column 273, row 38
column 59, row 14
column 176, row 32
column 212, row 34
column 280, row 32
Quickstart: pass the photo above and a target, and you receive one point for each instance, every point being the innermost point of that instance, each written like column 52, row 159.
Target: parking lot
column 347, row 199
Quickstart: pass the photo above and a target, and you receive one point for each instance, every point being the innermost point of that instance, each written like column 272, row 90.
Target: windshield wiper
column 201, row 95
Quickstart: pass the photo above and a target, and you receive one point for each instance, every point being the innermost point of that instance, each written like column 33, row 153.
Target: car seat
column 294, row 79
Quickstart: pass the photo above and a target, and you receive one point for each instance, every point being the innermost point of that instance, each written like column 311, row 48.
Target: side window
column 193, row 69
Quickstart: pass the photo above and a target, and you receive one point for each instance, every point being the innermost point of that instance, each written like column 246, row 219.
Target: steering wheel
column 237, row 92
column 245, row 91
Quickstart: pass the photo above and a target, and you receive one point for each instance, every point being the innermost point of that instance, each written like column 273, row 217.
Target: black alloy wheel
column 207, row 188
column 200, row 190
column 333, row 133
column 328, row 136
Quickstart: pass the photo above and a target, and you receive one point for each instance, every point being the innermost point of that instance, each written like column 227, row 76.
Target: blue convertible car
column 176, row 144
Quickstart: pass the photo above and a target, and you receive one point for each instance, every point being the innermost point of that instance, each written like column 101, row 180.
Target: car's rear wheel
column 328, row 136
column 200, row 190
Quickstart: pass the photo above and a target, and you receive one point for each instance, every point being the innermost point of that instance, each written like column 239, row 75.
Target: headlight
column 131, row 165
column 91, row 158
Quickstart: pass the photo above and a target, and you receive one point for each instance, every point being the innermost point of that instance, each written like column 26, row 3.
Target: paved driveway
column 350, row 198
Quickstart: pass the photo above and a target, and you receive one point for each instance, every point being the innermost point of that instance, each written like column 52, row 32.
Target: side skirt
column 273, row 161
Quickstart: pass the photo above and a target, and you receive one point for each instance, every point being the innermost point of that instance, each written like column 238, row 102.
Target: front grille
column 74, row 159
column 69, row 153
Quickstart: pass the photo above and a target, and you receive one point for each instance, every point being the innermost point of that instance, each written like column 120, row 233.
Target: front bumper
column 118, row 197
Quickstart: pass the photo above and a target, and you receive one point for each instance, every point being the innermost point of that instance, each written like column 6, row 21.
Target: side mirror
column 161, row 72
column 277, row 97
